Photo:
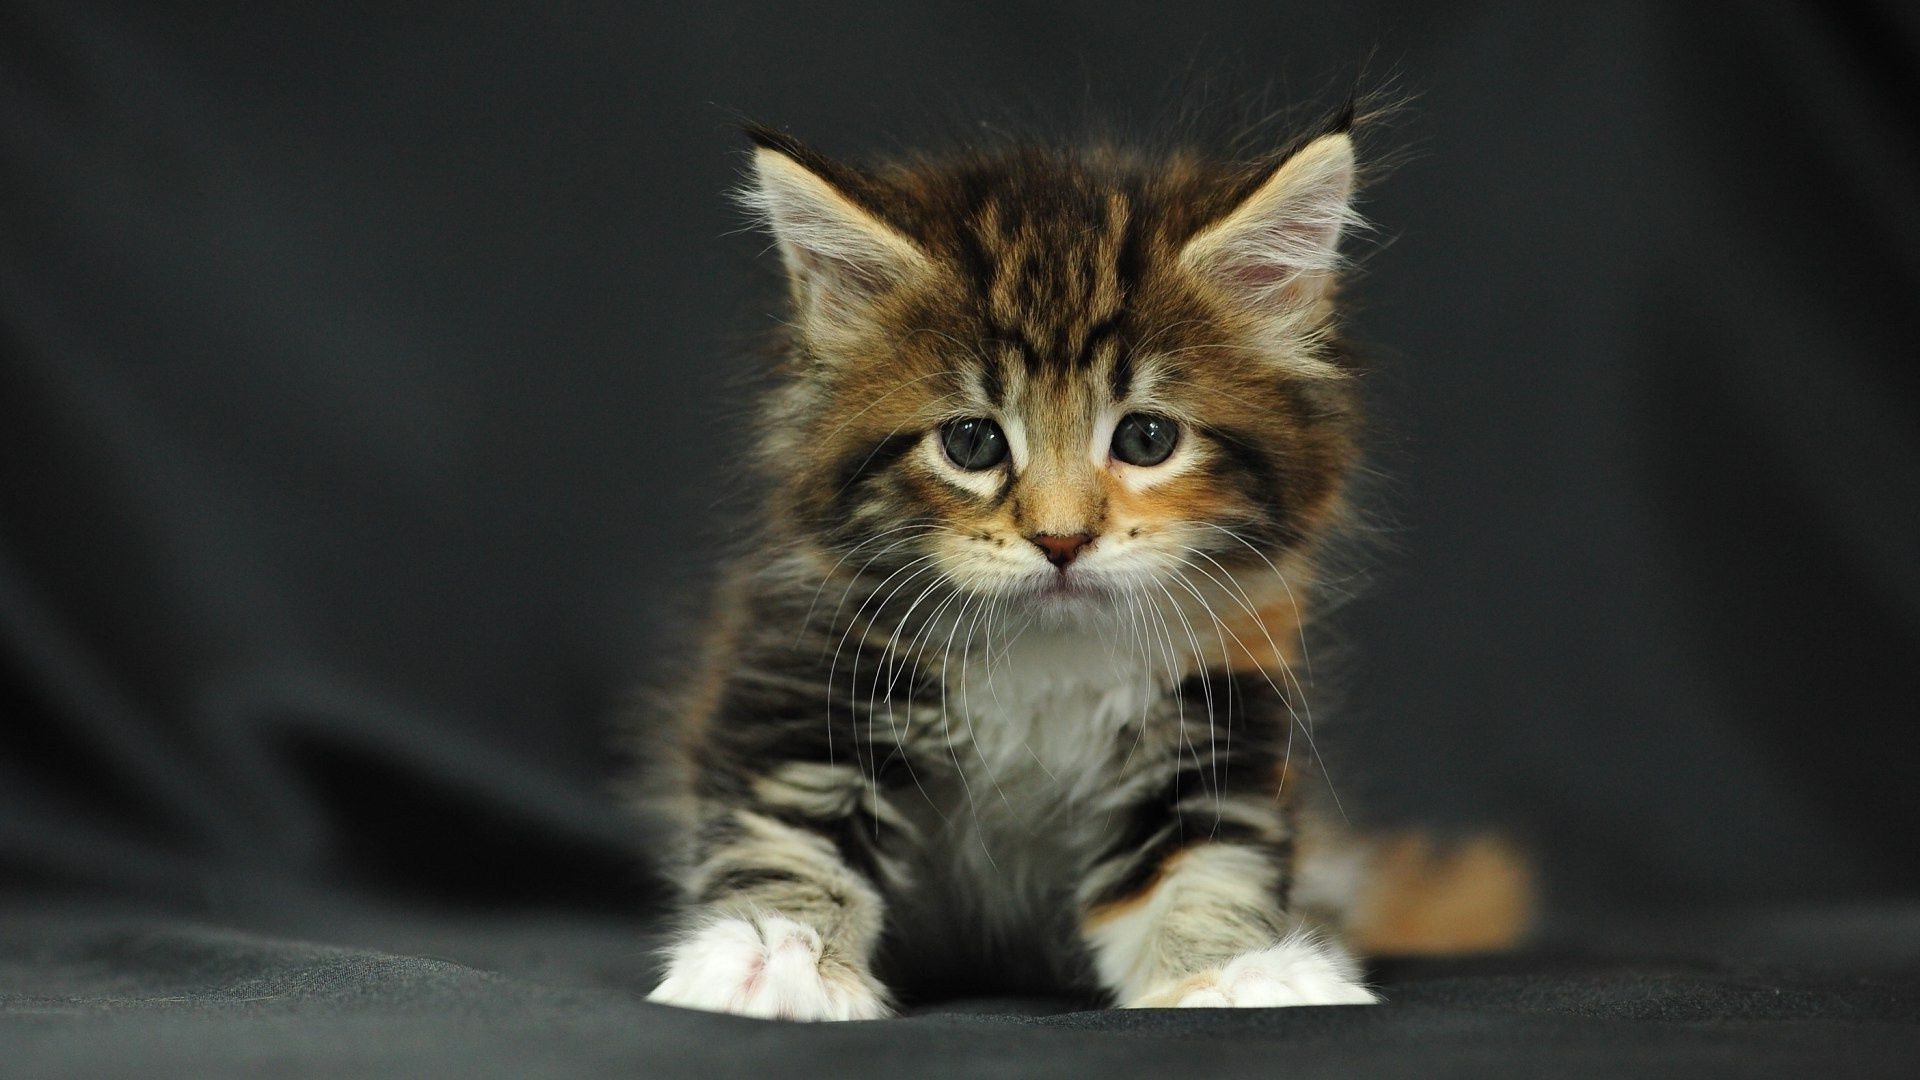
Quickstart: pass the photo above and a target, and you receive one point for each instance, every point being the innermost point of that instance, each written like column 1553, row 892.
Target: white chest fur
column 1026, row 785
column 1048, row 714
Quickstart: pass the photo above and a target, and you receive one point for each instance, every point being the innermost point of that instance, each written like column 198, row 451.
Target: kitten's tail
column 1405, row 894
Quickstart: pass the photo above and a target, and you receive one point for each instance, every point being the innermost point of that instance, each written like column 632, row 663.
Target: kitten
column 1001, row 693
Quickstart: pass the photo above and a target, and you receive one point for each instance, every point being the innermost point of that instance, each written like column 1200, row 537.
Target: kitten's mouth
column 1073, row 598
column 1063, row 592
column 1065, row 585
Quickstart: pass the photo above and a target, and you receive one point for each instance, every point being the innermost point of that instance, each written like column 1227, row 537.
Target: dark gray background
column 368, row 378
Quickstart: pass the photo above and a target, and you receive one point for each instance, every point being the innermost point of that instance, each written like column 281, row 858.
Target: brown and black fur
column 824, row 774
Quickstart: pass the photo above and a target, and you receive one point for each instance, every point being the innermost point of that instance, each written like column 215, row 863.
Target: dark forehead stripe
column 973, row 191
column 1032, row 356
column 1128, row 266
column 992, row 383
column 1120, row 376
column 1051, row 261
column 1097, row 335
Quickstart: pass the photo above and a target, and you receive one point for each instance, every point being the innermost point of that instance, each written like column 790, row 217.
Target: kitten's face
column 1068, row 486
column 1061, row 386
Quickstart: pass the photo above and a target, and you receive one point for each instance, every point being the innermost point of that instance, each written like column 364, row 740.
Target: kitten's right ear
column 839, row 255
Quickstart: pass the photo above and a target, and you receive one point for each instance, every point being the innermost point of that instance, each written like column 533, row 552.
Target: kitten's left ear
column 1281, row 246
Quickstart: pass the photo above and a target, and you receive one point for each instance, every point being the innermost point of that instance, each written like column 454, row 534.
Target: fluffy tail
column 1408, row 894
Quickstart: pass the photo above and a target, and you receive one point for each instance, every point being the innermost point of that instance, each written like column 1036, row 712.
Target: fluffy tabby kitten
column 1001, row 694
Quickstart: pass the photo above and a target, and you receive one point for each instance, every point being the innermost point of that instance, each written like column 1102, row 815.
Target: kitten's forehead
column 1063, row 273
column 1055, row 264
column 1051, row 278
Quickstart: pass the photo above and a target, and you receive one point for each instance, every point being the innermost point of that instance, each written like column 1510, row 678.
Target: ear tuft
column 1281, row 245
column 1344, row 120
column 838, row 254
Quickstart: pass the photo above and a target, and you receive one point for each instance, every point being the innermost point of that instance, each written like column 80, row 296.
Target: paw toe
column 1298, row 971
column 770, row 967
column 1205, row 997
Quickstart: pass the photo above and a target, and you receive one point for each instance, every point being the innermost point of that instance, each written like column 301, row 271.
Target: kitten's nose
column 1061, row 548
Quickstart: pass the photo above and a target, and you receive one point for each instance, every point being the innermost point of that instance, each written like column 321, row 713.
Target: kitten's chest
column 1046, row 721
column 1025, row 784
column 1016, row 798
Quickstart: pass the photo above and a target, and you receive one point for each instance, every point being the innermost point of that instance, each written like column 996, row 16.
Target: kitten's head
column 1058, row 378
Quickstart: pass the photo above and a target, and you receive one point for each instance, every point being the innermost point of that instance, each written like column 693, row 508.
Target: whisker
column 1179, row 704
column 1134, row 623
column 1305, row 728
column 828, row 576
column 888, row 664
column 859, row 576
column 1206, row 690
column 1286, row 668
column 1225, row 756
column 854, row 676
column 1299, row 622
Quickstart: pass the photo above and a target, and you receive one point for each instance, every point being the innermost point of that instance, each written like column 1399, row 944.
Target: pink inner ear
column 1255, row 275
column 844, row 274
column 1275, row 255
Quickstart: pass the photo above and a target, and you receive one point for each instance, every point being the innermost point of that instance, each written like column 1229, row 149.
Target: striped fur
column 921, row 755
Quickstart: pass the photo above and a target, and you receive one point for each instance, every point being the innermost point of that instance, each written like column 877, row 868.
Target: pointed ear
column 838, row 255
column 1280, row 247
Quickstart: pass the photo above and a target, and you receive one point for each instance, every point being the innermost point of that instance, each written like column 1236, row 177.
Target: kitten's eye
column 1143, row 439
column 975, row 443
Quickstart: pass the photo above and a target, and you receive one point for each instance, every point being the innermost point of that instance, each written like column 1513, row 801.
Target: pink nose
column 1061, row 548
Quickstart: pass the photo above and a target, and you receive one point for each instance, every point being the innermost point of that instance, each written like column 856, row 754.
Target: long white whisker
column 1286, row 668
column 1179, row 701
column 1206, row 692
column 853, row 678
column 1304, row 727
column 994, row 613
column 1224, row 755
column 888, row 667
column 1135, row 619
column 1299, row 622
column 859, row 576
column 828, row 576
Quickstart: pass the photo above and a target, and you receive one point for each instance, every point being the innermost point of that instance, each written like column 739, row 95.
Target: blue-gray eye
column 975, row 443
column 1144, row 439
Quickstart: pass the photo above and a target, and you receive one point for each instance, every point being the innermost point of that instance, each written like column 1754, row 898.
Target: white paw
column 767, row 966
column 1298, row 971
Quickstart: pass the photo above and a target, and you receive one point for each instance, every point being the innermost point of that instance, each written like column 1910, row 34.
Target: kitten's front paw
column 767, row 966
column 1298, row 971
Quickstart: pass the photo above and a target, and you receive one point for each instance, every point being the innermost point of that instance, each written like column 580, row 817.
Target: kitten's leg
column 1175, row 922
column 783, row 923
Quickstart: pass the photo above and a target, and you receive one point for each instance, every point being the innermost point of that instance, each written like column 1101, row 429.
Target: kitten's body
column 987, row 898
column 1002, row 695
